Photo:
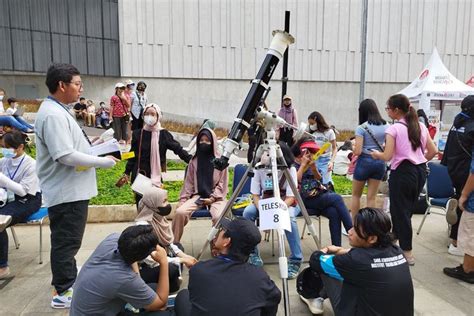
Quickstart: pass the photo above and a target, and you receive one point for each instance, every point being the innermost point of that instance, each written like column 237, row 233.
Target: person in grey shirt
column 109, row 279
column 67, row 175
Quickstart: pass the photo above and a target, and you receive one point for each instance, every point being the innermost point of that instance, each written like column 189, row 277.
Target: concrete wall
column 220, row 100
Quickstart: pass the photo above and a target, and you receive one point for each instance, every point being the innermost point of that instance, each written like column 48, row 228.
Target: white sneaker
column 455, row 251
column 451, row 215
column 62, row 301
column 5, row 272
column 315, row 304
column 5, row 220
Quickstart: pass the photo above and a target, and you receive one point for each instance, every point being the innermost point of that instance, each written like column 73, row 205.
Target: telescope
column 280, row 42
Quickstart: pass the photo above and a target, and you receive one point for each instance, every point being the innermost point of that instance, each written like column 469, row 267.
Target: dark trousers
column 182, row 304
column 405, row 185
column 120, row 127
column 67, row 224
column 151, row 275
column 286, row 135
column 333, row 290
column 331, row 205
column 453, row 233
column 19, row 212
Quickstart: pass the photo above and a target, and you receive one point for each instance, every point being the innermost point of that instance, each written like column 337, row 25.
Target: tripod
column 270, row 145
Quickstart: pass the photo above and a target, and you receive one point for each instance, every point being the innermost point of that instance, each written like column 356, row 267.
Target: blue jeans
column 293, row 238
column 323, row 167
column 17, row 123
column 330, row 205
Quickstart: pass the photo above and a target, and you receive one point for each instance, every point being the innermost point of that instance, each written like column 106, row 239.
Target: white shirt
column 262, row 181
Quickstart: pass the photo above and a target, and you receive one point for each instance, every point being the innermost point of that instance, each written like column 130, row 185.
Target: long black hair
column 320, row 121
column 287, row 154
column 422, row 114
column 369, row 112
column 401, row 102
column 374, row 222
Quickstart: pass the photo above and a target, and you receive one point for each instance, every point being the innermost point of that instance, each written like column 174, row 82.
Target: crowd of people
column 135, row 271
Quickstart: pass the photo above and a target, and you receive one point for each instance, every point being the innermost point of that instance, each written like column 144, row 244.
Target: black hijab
column 205, row 168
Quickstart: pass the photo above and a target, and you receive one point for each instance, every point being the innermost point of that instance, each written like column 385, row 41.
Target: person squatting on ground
column 109, row 279
column 152, row 210
column 102, row 118
column 150, row 145
column 120, row 108
column 139, row 101
column 227, row 284
column 322, row 134
column 204, row 186
column 316, row 198
column 288, row 113
column 343, row 157
column 370, row 135
column 457, row 157
column 20, row 185
column 371, row 278
column 261, row 187
column 67, row 175
column 465, row 271
column 409, row 146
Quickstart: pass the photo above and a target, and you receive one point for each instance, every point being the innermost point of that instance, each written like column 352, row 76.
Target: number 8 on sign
column 274, row 214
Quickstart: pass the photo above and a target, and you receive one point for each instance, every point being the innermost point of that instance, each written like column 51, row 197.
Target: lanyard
column 16, row 170
column 64, row 108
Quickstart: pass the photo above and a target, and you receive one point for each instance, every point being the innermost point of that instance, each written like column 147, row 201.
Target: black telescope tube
column 249, row 107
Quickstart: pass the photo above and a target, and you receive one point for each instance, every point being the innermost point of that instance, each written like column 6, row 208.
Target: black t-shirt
column 225, row 287
column 376, row 281
column 79, row 106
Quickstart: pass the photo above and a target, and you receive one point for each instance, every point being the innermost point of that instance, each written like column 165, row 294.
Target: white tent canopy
column 435, row 82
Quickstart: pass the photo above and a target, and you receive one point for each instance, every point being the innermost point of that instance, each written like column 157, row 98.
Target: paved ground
column 28, row 292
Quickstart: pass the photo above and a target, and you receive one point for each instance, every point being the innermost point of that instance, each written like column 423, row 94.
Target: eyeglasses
column 77, row 83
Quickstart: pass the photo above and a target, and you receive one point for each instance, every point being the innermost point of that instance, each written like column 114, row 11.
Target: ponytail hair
column 401, row 102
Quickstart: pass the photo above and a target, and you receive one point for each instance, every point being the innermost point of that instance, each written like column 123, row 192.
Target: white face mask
column 313, row 127
column 1, row 97
column 149, row 120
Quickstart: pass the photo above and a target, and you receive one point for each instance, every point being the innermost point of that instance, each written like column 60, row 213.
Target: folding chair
column 439, row 190
column 35, row 218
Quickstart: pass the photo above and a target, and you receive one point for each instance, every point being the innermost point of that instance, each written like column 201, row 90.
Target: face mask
column 1, row 97
column 287, row 105
column 149, row 120
column 313, row 127
column 8, row 152
column 164, row 210
column 205, row 147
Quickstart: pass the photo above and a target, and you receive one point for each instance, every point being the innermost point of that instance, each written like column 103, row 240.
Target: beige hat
column 129, row 82
column 286, row 96
column 119, row 85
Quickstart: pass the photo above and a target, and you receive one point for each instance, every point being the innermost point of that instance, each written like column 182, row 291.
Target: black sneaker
column 458, row 273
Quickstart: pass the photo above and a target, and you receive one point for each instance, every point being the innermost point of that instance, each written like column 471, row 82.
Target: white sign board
column 274, row 214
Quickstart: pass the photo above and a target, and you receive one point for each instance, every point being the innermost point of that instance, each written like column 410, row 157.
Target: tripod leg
column 227, row 208
column 283, row 265
column 304, row 211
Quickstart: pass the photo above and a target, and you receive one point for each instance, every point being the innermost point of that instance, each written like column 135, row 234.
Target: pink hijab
column 155, row 164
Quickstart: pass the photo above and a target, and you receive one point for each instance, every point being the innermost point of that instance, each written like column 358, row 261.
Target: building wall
column 35, row 33
column 226, row 39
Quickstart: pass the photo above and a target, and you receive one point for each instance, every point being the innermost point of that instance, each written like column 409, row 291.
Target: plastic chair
column 35, row 218
column 439, row 190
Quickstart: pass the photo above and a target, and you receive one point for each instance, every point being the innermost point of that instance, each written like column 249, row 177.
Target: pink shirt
column 403, row 149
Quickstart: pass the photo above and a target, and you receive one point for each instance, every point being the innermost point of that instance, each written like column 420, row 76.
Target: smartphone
column 171, row 299
column 199, row 202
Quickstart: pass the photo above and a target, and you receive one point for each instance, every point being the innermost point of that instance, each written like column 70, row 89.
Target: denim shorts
column 369, row 168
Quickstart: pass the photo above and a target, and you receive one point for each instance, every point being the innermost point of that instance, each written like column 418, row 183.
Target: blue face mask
column 8, row 152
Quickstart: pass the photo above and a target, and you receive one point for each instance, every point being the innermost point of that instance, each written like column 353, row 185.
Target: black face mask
column 205, row 148
column 164, row 210
column 287, row 105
